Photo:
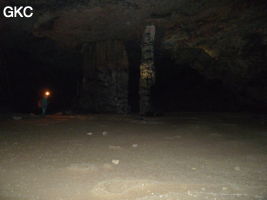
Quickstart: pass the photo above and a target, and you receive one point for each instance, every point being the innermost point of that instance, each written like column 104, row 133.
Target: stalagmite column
column 147, row 70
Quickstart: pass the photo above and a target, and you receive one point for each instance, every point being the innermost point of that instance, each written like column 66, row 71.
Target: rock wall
column 4, row 90
column 224, row 45
column 1, row 82
column 105, row 77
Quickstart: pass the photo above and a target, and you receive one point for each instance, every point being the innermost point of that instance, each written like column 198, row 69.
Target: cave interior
column 206, row 57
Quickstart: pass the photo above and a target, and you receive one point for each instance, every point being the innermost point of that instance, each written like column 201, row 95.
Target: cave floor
column 203, row 156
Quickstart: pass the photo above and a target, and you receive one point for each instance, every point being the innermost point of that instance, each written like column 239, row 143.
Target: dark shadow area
column 182, row 88
column 32, row 69
column 134, row 57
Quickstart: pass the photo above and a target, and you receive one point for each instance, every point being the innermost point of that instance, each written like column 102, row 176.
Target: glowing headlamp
column 47, row 93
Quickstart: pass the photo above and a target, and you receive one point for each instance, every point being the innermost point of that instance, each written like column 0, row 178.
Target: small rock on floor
column 116, row 162
column 89, row 133
column 104, row 133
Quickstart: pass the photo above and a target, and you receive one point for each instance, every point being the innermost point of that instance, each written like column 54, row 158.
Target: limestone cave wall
column 4, row 93
column 105, row 77
column 227, row 42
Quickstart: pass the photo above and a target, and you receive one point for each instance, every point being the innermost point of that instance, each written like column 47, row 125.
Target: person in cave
column 43, row 103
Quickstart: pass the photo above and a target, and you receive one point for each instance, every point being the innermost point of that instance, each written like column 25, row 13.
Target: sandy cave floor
column 184, row 156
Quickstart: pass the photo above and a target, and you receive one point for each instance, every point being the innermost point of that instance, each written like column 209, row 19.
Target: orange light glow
column 47, row 93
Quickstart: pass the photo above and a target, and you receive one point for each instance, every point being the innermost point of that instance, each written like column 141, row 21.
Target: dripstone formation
column 147, row 71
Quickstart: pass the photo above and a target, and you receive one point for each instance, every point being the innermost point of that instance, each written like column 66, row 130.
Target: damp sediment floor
column 184, row 156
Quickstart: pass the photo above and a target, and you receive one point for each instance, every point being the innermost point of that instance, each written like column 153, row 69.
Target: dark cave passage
column 32, row 70
column 178, row 87
column 182, row 88
column 134, row 57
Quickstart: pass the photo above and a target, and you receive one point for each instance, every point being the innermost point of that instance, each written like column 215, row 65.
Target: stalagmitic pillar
column 147, row 71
